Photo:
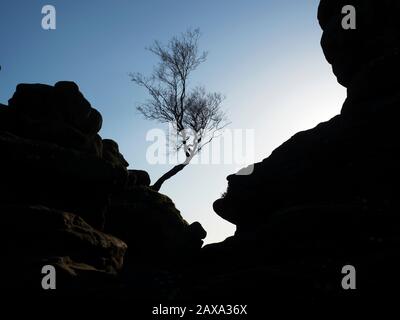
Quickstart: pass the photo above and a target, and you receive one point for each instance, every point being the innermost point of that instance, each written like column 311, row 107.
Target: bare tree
column 194, row 113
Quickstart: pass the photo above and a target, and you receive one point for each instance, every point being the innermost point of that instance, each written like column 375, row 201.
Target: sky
column 264, row 56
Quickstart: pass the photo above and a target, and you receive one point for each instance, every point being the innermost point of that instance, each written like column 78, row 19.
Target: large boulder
column 351, row 158
column 53, row 155
column 58, row 114
column 345, row 160
column 375, row 39
column 62, row 186
column 138, row 178
column 36, row 172
column 327, row 197
column 153, row 228
column 298, row 256
column 111, row 154
column 33, row 236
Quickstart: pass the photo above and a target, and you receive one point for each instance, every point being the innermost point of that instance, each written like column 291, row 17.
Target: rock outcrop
column 350, row 159
column 324, row 199
column 34, row 236
column 68, row 199
column 328, row 196
column 153, row 228
column 37, row 172
column 58, row 114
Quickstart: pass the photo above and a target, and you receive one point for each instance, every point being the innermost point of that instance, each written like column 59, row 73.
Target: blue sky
column 264, row 56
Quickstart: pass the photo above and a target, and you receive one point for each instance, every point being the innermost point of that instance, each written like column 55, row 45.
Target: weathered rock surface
column 34, row 236
column 36, row 172
column 44, row 232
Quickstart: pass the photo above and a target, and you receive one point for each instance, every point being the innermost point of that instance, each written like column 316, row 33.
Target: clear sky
column 264, row 56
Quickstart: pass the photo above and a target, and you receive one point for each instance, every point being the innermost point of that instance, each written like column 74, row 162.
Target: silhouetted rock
column 138, row 178
column 152, row 227
column 349, row 159
column 58, row 114
column 111, row 153
column 49, row 232
column 375, row 39
column 61, row 183
column 197, row 231
column 35, row 172
column 324, row 199
column 345, row 160
column 328, row 196
column 32, row 234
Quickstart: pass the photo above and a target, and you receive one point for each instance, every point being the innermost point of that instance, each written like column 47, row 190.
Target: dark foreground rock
column 326, row 198
column 298, row 257
column 153, row 228
column 34, row 236
column 36, row 172
column 58, row 114
column 62, row 185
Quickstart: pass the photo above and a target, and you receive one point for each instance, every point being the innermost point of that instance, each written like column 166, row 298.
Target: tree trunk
column 166, row 176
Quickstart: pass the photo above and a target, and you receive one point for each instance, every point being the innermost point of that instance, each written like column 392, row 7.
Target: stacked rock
column 328, row 195
column 58, row 114
column 55, row 154
column 55, row 186
column 312, row 166
column 364, row 59
column 60, row 181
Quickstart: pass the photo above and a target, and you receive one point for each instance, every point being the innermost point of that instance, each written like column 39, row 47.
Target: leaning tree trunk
column 166, row 176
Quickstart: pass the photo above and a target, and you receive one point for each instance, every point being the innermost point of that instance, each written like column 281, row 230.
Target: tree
column 195, row 114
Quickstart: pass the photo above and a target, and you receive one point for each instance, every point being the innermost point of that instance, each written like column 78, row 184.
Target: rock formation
column 324, row 199
column 327, row 197
column 68, row 199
